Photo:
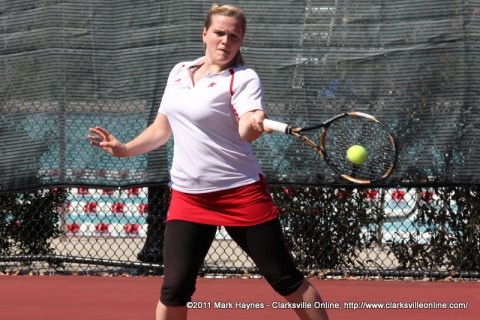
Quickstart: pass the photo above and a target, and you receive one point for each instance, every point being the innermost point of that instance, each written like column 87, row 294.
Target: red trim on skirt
column 243, row 206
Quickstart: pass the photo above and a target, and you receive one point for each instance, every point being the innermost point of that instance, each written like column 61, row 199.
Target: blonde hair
column 228, row 11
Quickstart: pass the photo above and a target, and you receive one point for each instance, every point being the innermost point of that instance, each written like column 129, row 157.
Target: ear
column 204, row 34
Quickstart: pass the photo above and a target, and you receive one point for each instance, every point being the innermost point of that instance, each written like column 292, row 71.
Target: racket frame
column 320, row 149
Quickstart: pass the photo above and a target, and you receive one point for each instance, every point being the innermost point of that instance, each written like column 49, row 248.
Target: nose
column 226, row 39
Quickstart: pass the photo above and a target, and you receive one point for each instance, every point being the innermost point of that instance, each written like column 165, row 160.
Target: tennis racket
column 341, row 132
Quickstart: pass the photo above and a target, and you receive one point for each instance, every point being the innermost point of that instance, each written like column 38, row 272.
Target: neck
column 212, row 68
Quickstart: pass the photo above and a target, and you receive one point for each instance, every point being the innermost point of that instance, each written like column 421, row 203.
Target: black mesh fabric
column 66, row 66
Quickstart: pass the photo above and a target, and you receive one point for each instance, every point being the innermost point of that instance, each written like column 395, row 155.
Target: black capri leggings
column 186, row 245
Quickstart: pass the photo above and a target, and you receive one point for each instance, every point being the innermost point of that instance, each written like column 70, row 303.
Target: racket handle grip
column 276, row 126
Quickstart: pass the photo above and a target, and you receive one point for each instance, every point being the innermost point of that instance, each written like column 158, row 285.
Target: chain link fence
column 413, row 232
column 67, row 66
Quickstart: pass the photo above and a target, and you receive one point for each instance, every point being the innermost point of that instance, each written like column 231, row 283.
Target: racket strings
column 356, row 130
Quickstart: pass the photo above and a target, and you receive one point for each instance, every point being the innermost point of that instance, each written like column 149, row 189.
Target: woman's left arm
column 250, row 125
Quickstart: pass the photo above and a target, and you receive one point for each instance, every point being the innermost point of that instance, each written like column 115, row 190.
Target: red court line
column 111, row 298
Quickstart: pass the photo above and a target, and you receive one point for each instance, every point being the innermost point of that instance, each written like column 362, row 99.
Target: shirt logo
column 211, row 85
column 178, row 80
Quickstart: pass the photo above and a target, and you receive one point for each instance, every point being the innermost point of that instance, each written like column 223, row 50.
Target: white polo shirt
column 209, row 154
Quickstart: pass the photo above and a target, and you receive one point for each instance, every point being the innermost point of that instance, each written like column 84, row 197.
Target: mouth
column 225, row 51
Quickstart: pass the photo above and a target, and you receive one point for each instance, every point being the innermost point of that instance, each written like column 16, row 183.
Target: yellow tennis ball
column 357, row 154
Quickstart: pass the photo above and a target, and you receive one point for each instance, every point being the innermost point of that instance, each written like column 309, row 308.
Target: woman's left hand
column 256, row 120
column 251, row 125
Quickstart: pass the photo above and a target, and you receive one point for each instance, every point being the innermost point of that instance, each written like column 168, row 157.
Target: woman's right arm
column 154, row 136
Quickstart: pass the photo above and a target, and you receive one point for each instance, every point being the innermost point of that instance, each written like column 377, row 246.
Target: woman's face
column 222, row 39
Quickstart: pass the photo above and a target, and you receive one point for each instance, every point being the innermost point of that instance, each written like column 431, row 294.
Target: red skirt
column 243, row 206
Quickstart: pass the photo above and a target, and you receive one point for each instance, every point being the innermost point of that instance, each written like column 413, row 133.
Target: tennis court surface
column 111, row 298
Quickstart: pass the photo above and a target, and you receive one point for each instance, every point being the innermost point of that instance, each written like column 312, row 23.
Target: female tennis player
column 213, row 108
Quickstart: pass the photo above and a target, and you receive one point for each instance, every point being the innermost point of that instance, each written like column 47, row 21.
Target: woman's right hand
column 104, row 140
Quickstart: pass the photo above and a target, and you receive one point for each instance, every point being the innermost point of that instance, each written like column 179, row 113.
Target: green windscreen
column 68, row 65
